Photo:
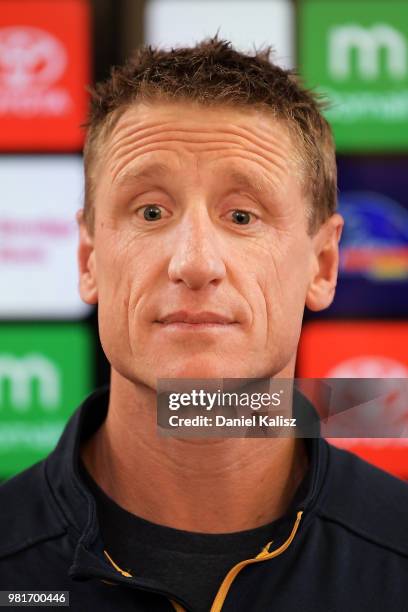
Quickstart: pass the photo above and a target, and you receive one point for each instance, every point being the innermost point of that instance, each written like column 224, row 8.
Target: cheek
column 283, row 281
column 119, row 259
column 128, row 271
column 121, row 275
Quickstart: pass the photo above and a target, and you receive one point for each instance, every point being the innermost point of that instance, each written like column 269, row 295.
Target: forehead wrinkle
column 274, row 176
column 196, row 136
column 120, row 160
column 245, row 154
column 117, row 170
column 129, row 124
column 235, row 134
column 277, row 158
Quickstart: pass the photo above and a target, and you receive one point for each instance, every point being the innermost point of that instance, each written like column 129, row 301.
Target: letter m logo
column 21, row 375
column 367, row 44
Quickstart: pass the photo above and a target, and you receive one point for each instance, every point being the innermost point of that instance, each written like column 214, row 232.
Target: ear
column 86, row 262
column 326, row 263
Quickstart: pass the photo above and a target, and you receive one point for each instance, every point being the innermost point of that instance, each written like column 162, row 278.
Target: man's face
column 199, row 210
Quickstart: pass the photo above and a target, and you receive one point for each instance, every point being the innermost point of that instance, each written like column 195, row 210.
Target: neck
column 208, row 486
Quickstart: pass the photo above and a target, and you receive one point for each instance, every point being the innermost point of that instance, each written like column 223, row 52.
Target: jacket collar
column 79, row 507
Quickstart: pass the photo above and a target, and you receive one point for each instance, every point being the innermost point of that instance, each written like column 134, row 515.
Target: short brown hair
column 210, row 73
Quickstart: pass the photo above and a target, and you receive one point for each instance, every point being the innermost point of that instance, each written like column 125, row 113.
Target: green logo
column 356, row 54
column 45, row 372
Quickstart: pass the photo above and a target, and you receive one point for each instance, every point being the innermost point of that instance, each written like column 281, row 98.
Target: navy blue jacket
column 344, row 550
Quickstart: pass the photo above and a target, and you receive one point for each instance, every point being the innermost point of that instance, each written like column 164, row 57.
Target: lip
column 198, row 318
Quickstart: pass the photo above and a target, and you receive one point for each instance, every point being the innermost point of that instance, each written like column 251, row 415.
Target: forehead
column 165, row 127
column 193, row 114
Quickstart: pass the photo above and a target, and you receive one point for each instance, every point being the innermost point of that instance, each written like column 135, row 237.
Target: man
column 209, row 223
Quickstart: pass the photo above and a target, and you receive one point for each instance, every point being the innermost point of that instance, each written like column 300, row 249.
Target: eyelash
column 253, row 215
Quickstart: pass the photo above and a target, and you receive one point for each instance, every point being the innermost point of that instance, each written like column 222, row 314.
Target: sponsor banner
column 354, row 349
column 45, row 372
column 359, row 349
column 375, row 237
column 373, row 269
column 356, row 54
column 245, row 24
column 44, row 69
column 38, row 237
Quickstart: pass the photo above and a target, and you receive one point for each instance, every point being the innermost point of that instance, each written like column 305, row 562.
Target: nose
column 196, row 260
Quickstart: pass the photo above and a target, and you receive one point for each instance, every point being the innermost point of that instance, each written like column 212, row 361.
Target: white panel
column 38, row 237
column 244, row 22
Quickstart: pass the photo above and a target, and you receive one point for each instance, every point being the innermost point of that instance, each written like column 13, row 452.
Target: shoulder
column 366, row 501
column 28, row 512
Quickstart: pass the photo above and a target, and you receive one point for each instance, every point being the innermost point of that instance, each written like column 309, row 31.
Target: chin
column 198, row 367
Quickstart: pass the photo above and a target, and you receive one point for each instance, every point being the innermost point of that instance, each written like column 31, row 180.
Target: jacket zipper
column 121, row 571
column 178, row 607
column 264, row 555
column 222, row 593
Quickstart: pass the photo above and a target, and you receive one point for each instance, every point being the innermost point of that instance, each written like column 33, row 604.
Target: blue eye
column 241, row 217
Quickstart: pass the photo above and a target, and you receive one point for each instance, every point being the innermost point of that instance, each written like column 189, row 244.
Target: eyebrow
column 149, row 172
column 248, row 181
column 251, row 182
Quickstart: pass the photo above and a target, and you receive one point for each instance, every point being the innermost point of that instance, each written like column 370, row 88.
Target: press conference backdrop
column 354, row 52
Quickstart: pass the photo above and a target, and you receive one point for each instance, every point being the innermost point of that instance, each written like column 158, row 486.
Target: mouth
column 197, row 326
column 201, row 320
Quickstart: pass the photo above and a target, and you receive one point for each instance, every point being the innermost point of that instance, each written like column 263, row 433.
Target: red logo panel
column 359, row 349
column 44, row 69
